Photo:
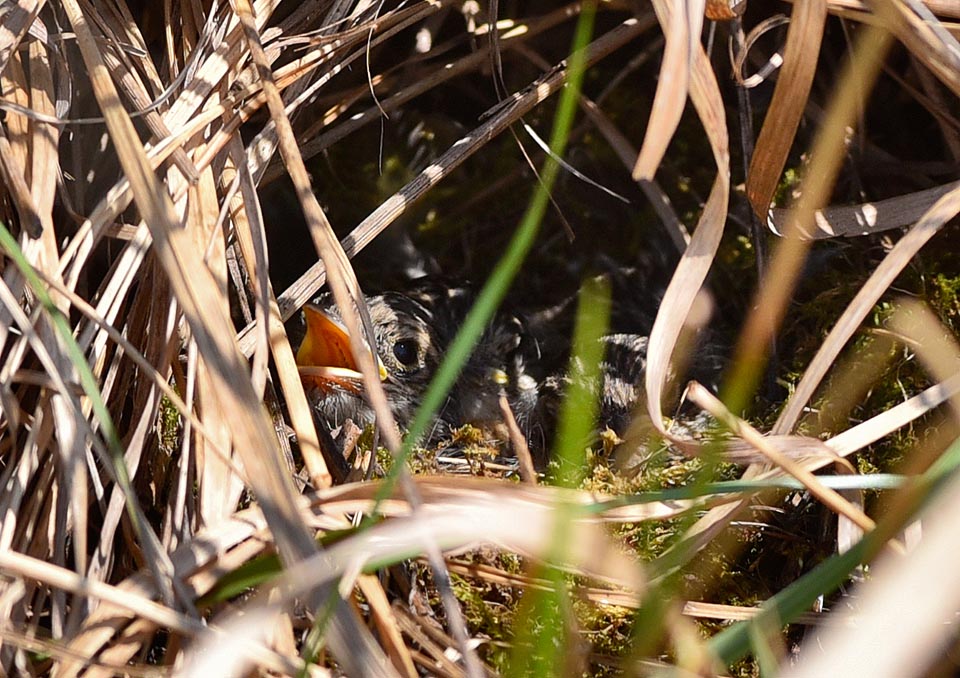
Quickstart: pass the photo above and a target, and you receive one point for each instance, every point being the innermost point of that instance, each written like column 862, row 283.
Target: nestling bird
column 413, row 332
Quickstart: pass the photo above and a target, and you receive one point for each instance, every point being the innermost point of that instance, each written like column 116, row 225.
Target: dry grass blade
column 71, row 415
column 237, row 646
column 833, row 499
column 818, row 453
column 518, row 519
column 146, row 188
column 696, row 260
column 527, row 470
column 883, row 424
column 263, row 146
column 786, row 108
column 456, row 515
column 197, row 562
column 253, row 249
column 771, row 302
column 155, row 203
column 19, row 190
column 681, row 23
column 903, row 619
column 346, row 291
column 141, row 361
column 386, row 623
column 512, row 36
column 812, row 454
column 947, row 207
column 937, row 350
column 43, row 148
column 195, row 289
column 870, row 217
column 343, row 282
column 772, row 298
column 20, row 565
column 940, row 7
column 434, row 656
column 118, row 198
column 220, row 488
column 361, row 497
column 16, row 18
column 920, row 32
column 452, row 506
column 55, row 651
column 848, row 532
column 607, row 596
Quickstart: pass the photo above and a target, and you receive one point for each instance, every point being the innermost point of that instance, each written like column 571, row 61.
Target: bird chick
column 413, row 331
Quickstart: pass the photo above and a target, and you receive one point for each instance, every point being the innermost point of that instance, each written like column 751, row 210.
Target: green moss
column 422, row 460
column 607, row 628
column 943, row 295
column 384, row 459
column 168, row 426
column 786, row 189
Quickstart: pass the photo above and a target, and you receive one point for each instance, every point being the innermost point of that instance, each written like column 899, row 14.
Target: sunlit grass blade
column 876, row 481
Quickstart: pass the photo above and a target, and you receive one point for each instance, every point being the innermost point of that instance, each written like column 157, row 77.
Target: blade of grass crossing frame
column 578, row 412
column 539, row 648
column 771, row 301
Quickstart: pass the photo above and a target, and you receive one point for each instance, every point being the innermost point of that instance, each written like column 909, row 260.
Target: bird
column 413, row 330
column 523, row 354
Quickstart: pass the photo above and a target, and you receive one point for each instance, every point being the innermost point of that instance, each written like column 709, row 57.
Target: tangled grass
column 156, row 518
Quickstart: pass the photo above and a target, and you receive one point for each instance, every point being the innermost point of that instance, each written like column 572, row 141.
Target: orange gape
column 324, row 357
column 326, row 343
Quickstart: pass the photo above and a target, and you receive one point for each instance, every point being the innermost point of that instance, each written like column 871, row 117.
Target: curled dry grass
column 118, row 550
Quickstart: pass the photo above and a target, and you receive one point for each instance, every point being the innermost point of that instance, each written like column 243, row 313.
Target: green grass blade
column 540, row 646
column 578, row 412
column 877, row 481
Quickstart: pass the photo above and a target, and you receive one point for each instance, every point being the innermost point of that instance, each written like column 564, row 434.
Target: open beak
column 324, row 356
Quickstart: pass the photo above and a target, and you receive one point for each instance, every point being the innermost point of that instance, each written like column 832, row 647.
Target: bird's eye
column 405, row 351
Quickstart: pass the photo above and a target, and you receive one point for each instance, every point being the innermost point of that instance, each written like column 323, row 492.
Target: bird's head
column 413, row 332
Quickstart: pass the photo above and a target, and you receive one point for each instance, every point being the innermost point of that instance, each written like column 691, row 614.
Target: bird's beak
column 324, row 356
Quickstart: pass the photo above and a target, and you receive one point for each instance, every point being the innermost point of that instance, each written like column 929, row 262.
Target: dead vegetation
column 149, row 497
